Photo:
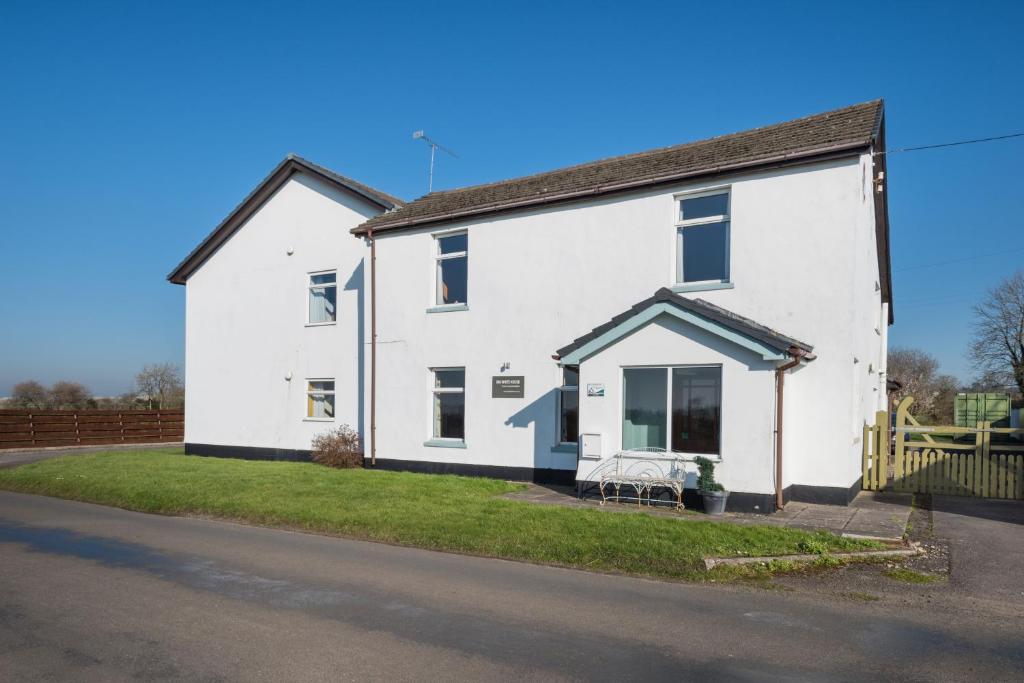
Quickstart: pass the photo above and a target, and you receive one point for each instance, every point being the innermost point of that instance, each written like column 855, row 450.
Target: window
column 569, row 405
column 677, row 409
column 323, row 298
column 320, row 399
column 449, row 397
column 702, row 238
column 451, row 264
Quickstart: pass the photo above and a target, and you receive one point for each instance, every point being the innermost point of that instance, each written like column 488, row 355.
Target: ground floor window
column 449, row 403
column 320, row 399
column 672, row 408
column 569, row 405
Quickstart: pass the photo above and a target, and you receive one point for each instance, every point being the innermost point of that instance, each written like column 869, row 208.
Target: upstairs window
column 451, row 259
column 702, row 237
column 320, row 399
column 323, row 297
column 569, row 405
column 449, row 398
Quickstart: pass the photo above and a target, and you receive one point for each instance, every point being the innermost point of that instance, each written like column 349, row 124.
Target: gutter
column 822, row 154
column 799, row 357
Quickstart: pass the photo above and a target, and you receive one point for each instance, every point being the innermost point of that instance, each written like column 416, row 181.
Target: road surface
column 89, row 593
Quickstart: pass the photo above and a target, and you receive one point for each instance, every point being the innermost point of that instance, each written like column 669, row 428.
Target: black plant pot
column 714, row 501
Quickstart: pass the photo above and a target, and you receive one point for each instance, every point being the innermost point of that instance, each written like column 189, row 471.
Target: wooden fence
column 44, row 428
column 982, row 461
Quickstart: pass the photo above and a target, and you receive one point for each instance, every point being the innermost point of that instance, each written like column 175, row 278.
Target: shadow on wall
column 541, row 413
column 356, row 283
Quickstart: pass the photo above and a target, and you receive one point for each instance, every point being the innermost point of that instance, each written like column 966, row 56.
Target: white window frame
column 434, row 390
column 562, row 389
column 437, row 304
column 668, row 407
column 680, row 225
column 309, row 296
column 323, row 392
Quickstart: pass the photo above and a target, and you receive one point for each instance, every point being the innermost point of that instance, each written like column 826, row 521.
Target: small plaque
column 595, row 390
column 508, row 387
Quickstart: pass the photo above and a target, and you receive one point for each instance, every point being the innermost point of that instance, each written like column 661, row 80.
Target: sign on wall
column 595, row 390
column 508, row 387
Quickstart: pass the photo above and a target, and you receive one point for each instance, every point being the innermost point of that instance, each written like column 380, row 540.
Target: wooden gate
column 983, row 461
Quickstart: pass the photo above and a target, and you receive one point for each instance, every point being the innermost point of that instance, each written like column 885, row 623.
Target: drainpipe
column 373, row 348
column 800, row 356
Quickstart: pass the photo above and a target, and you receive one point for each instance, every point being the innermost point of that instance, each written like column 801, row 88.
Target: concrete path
column 986, row 545
column 876, row 515
column 20, row 456
column 90, row 593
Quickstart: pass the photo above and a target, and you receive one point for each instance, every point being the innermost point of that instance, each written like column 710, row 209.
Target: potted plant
column 711, row 492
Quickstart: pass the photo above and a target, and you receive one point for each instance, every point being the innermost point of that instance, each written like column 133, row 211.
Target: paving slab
column 877, row 515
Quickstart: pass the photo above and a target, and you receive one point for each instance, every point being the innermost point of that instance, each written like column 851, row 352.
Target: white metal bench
column 643, row 470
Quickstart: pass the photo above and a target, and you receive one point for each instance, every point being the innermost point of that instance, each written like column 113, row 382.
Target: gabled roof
column 841, row 130
column 292, row 164
column 771, row 345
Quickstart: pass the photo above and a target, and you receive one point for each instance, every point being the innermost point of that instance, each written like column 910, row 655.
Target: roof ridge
column 653, row 150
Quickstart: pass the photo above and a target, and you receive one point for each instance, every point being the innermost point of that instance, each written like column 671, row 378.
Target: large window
column 320, row 399
column 449, row 399
column 451, row 264
column 323, row 298
column 702, row 238
column 676, row 409
column 569, row 405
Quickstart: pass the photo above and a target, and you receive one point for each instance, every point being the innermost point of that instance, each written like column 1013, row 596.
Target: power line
column 950, row 144
column 958, row 260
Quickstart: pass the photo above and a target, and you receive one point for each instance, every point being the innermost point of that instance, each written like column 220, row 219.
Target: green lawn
column 459, row 514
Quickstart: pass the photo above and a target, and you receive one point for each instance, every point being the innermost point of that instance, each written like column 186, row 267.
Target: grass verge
column 451, row 513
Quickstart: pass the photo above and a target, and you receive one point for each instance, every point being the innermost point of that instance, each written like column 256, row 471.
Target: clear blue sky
column 129, row 130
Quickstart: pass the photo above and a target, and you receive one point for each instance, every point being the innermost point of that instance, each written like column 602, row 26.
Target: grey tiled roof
column 842, row 129
column 738, row 323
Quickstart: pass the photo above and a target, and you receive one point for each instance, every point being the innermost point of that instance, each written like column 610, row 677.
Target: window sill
column 318, row 419
column 333, row 322
column 445, row 308
column 445, row 443
column 565, row 448
column 701, row 286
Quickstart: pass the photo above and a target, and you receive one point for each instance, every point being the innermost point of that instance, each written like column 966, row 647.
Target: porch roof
column 771, row 345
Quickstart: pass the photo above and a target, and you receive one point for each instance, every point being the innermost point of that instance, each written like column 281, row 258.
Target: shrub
column 706, row 475
column 339, row 447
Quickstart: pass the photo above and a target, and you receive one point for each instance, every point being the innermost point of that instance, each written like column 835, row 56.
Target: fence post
column 78, row 434
column 865, row 455
column 882, row 432
column 978, row 466
column 990, row 471
column 902, row 413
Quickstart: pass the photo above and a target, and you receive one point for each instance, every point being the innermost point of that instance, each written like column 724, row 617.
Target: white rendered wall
column 246, row 312
column 801, row 246
column 748, row 386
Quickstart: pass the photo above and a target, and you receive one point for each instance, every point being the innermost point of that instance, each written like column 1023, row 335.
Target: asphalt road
column 93, row 593
column 986, row 539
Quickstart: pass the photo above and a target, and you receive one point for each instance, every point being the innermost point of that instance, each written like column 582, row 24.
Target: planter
column 714, row 501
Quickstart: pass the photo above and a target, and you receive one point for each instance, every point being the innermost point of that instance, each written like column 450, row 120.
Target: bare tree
column 997, row 349
column 30, row 394
column 70, row 395
column 916, row 371
column 161, row 383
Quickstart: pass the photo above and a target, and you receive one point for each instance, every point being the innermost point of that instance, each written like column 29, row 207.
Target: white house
column 727, row 298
